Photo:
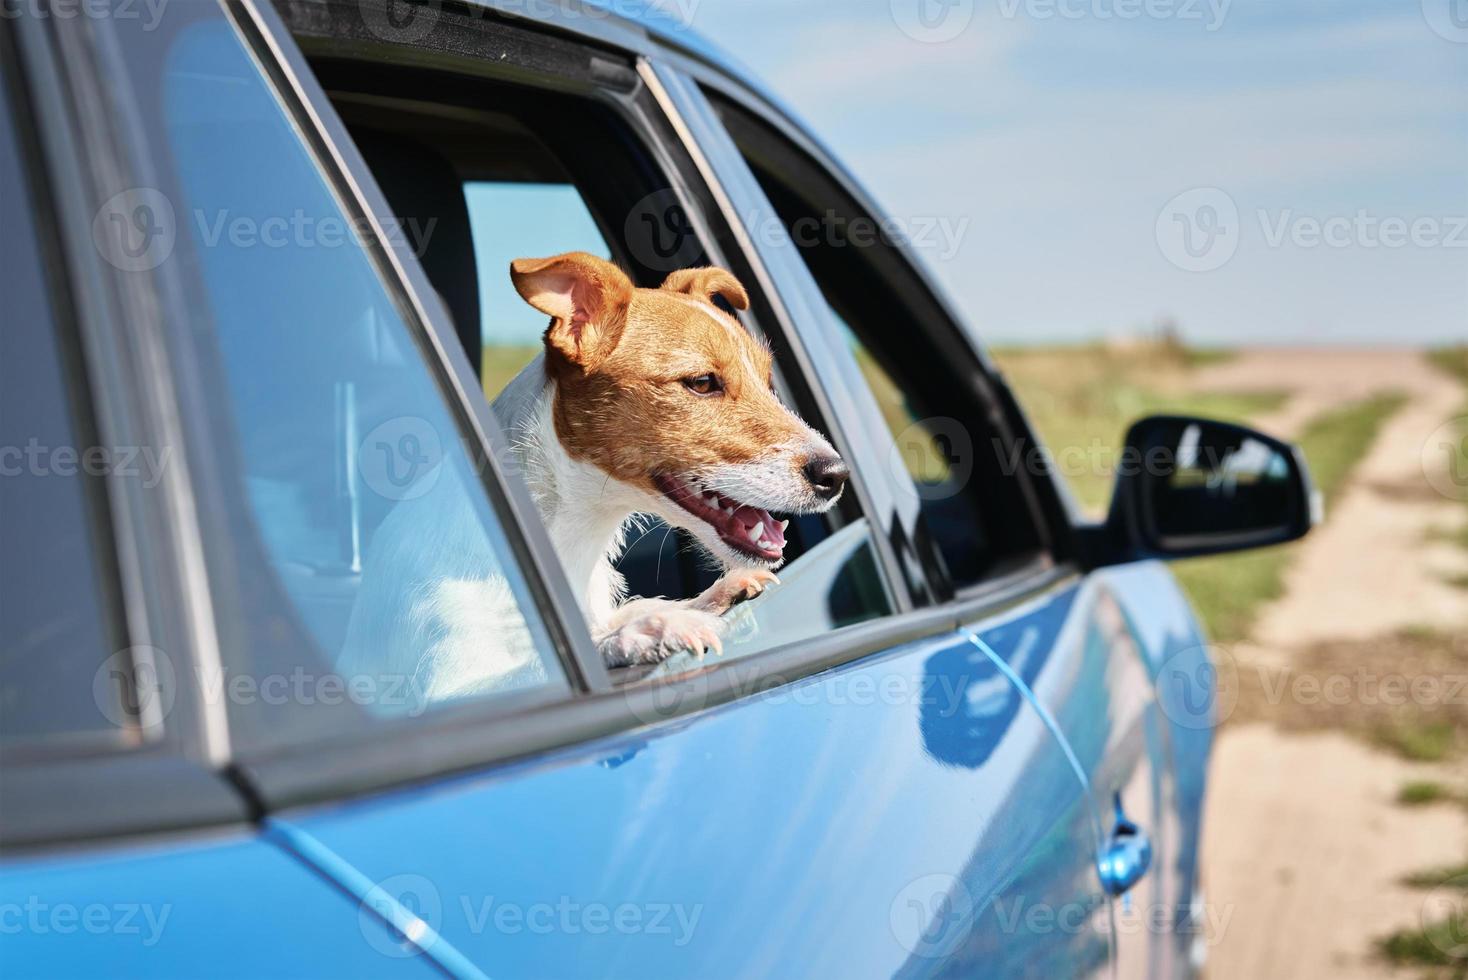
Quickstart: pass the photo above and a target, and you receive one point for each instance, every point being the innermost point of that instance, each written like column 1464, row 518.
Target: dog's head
column 672, row 397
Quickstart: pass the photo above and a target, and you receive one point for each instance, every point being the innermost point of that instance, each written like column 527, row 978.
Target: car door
column 880, row 797
column 937, row 400
column 908, row 814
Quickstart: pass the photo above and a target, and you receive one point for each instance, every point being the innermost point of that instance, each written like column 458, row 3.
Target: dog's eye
column 704, row 384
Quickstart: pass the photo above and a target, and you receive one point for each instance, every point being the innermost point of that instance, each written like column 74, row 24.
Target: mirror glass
column 1207, row 480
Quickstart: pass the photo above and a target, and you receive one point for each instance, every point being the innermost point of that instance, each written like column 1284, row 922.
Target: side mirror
column 1190, row 486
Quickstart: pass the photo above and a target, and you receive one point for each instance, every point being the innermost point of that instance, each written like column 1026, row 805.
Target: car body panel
column 1167, row 637
column 1094, row 689
column 234, row 906
column 1132, row 623
column 907, row 814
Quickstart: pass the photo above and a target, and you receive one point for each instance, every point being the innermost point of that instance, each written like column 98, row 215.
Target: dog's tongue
column 755, row 524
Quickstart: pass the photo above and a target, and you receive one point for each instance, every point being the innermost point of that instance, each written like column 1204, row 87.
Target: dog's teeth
column 762, row 543
column 755, row 533
column 784, row 525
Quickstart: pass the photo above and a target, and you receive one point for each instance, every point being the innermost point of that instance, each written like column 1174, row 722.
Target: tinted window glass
column 366, row 546
column 921, row 371
column 58, row 626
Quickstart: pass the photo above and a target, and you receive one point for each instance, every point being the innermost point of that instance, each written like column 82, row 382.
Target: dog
column 642, row 402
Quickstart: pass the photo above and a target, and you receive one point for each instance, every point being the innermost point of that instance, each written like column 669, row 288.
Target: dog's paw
column 734, row 587
column 655, row 636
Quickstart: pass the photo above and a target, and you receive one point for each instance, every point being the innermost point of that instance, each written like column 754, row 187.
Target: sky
column 1254, row 171
column 547, row 219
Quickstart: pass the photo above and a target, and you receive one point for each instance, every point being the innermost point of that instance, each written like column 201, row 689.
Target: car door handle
column 1127, row 856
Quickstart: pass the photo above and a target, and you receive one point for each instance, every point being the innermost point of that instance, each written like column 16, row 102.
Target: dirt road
column 1305, row 845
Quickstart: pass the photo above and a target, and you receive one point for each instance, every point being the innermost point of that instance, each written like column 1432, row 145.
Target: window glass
column 377, row 579
column 921, row 372
column 58, row 626
column 933, row 451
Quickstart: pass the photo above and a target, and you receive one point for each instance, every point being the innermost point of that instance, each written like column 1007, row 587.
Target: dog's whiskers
column 658, row 572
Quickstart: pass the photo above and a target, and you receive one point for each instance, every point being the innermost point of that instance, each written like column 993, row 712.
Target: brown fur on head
column 669, row 394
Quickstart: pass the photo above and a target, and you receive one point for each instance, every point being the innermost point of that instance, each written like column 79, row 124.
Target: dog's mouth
column 750, row 531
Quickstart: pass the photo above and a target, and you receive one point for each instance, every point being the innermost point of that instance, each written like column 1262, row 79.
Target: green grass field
column 1082, row 399
column 501, row 364
column 1437, row 943
column 1454, row 361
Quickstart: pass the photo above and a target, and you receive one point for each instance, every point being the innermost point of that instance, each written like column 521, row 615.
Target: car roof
column 656, row 21
column 651, row 27
column 618, row 21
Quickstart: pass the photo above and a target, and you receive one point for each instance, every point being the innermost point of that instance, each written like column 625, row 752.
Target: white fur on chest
column 585, row 512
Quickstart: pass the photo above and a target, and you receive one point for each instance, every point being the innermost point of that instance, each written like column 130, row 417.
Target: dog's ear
column 586, row 295
column 707, row 283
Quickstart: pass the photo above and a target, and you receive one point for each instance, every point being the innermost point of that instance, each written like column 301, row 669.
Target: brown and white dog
column 644, row 401
column 656, row 401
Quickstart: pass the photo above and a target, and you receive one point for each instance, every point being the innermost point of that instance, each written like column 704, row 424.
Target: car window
column 62, row 652
column 530, row 173
column 365, row 574
column 922, row 374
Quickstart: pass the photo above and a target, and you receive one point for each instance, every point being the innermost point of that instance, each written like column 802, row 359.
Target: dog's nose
column 827, row 476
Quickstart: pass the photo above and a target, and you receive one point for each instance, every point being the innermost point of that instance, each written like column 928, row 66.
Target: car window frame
column 621, row 81
column 357, row 193
column 645, row 116
column 471, row 736
column 1050, row 510
column 84, row 428
column 174, row 778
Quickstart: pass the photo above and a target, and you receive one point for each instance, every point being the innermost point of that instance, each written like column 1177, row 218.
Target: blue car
column 256, row 300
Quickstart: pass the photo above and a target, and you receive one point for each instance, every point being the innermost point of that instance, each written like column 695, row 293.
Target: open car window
column 502, row 170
